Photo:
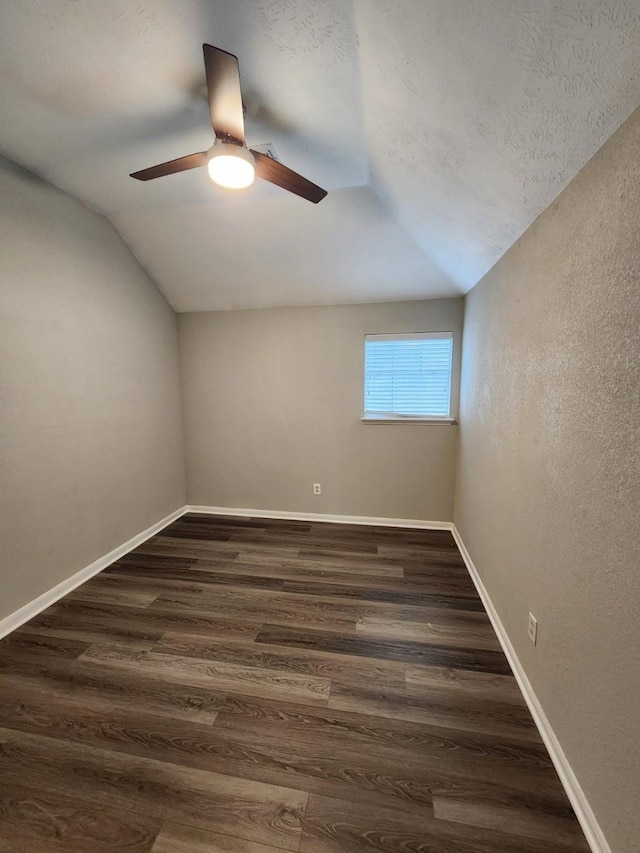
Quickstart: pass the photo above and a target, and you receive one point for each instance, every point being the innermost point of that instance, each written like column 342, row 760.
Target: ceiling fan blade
column 225, row 98
column 191, row 161
column 271, row 170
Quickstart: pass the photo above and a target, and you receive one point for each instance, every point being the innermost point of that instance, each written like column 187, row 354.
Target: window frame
column 398, row 418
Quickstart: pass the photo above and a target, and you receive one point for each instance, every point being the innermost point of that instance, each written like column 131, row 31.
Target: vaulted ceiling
column 441, row 129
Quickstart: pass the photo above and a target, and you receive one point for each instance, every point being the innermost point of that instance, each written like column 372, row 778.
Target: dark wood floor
column 249, row 686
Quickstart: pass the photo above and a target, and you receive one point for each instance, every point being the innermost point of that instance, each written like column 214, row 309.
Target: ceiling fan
column 230, row 163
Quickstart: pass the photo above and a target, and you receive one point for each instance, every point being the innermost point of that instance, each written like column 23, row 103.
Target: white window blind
column 408, row 375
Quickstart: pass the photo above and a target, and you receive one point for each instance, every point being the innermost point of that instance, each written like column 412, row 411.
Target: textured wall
column 548, row 494
column 273, row 401
column 90, row 425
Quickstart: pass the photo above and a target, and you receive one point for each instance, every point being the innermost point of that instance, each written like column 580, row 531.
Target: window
column 408, row 376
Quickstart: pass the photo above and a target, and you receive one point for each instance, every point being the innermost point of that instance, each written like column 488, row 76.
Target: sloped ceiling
column 441, row 128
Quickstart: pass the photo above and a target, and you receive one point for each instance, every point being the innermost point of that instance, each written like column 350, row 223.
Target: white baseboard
column 19, row 617
column 590, row 826
column 316, row 516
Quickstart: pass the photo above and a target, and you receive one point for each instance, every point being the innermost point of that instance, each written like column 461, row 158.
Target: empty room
column 320, row 426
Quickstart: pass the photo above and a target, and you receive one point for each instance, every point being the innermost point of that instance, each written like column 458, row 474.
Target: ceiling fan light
column 231, row 166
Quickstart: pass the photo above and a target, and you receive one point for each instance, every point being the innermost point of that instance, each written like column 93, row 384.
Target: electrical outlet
column 317, row 489
column 532, row 630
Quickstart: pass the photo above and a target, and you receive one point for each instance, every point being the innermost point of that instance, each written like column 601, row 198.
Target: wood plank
column 92, row 684
column 124, row 596
column 174, row 838
column 224, row 676
column 336, row 826
column 314, row 606
column 369, row 599
column 339, row 668
column 205, row 577
column 240, row 522
column 426, row 680
column 340, row 566
column 256, row 611
column 385, row 535
column 193, row 585
column 346, row 547
column 331, row 555
column 395, row 592
column 477, row 636
column 216, row 526
column 160, row 561
column 523, row 820
column 193, row 531
column 153, row 618
column 382, row 649
column 441, row 709
column 190, row 549
column 283, row 558
column 412, row 549
column 422, row 568
column 214, row 550
column 255, row 811
column 27, row 643
column 43, row 821
column 89, row 633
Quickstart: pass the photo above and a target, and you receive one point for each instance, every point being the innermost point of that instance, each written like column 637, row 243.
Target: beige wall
column 90, row 424
column 273, row 401
column 548, row 494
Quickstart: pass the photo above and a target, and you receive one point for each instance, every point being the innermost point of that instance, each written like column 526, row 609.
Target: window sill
column 377, row 419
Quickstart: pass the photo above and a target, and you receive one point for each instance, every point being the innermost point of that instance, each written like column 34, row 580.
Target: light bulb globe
column 231, row 166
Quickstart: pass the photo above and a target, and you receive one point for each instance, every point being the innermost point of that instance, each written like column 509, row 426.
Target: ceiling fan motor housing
column 233, row 149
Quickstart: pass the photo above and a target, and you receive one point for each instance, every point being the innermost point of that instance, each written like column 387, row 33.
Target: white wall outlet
column 317, row 489
column 532, row 630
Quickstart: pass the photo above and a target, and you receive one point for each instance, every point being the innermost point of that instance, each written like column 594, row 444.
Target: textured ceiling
column 441, row 128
